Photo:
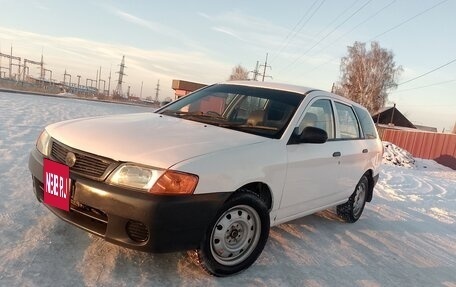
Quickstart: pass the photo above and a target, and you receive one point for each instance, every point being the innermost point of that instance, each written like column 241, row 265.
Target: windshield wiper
column 180, row 114
column 249, row 127
column 175, row 113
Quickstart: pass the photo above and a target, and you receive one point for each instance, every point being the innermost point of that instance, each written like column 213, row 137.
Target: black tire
column 351, row 210
column 236, row 236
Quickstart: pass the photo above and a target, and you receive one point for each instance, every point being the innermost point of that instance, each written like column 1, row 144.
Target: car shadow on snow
column 417, row 250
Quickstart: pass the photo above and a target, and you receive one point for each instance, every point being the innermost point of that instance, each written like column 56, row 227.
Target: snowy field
column 406, row 236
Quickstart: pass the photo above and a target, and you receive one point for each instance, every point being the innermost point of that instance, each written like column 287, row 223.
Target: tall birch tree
column 368, row 75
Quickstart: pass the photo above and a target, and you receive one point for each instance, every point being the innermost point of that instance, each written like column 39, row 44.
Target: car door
column 352, row 147
column 312, row 169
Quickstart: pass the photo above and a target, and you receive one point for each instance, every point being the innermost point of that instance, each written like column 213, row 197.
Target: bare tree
column 239, row 73
column 366, row 76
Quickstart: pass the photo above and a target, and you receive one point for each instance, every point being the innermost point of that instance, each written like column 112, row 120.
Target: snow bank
column 394, row 155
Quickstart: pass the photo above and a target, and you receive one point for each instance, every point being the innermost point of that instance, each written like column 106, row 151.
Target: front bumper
column 134, row 219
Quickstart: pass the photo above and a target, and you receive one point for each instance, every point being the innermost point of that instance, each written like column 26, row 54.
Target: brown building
column 182, row 88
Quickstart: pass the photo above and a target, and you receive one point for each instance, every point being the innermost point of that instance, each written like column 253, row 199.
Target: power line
column 426, row 86
column 300, row 29
column 383, row 33
column 356, row 26
column 427, row 73
column 407, row 20
column 338, row 16
column 327, row 35
column 302, row 18
column 285, row 42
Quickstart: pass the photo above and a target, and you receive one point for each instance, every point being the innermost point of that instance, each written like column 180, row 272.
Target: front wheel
column 351, row 210
column 237, row 236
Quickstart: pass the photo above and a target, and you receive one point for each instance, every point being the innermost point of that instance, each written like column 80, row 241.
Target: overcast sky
column 203, row 40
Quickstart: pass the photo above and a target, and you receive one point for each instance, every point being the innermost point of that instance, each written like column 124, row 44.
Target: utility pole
column 96, row 83
column 42, row 68
column 18, row 75
column 392, row 114
column 99, row 79
column 50, row 75
column 64, row 78
column 109, row 82
column 79, row 82
column 264, row 68
column 104, row 85
column 32, row 62
column 11, row 62
column 121, row 75
column 255, row 72
column 157, row 89
column 140, row 93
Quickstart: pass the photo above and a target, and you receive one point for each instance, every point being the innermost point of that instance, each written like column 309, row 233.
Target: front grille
column 89, row 165
column 93, row 213
column 137, row 231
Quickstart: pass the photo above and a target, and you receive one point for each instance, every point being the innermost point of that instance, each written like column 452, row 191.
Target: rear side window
column 348, row 125
column 366, row 123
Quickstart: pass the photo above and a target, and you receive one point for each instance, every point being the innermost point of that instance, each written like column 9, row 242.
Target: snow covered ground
column 406, row 236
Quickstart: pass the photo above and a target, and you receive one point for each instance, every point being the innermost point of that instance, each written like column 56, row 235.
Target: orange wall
column 427, row 145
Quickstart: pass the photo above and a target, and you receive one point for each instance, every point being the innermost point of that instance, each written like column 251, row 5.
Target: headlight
column 43, row 143
column 155, row 181
column 135, row 176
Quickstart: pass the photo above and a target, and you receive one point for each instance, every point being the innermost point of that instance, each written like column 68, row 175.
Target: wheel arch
column 262, row 190
column 370, row 180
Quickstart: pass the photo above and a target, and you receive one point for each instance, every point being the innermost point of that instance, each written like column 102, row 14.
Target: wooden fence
column 427, row 145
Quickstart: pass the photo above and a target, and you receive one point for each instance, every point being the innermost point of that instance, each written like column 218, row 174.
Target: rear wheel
column 351, row 210
column 237, row 236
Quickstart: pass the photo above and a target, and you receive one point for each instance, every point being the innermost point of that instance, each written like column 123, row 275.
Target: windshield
column 258, row 111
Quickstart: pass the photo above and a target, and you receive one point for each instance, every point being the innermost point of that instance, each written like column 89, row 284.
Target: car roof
column 273, row 85
column 290, row 88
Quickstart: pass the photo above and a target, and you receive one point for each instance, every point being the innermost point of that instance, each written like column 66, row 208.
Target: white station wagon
column 212, row 171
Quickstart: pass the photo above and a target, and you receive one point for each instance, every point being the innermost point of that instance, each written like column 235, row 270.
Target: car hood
column 148, row 138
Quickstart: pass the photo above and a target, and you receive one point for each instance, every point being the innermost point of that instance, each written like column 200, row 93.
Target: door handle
column 336, row 154
column 365, row 150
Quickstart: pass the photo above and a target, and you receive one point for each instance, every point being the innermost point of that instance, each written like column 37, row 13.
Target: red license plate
column 56, row 184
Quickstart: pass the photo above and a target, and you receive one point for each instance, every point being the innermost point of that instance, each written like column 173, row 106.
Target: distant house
column 182, row 88
column 393, row 118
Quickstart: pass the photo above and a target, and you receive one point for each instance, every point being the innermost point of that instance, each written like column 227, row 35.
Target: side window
column 348, row 125
column 319, row 115
column 366, row 122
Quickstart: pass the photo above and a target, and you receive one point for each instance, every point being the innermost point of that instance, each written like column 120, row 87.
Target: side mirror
column 313, row 135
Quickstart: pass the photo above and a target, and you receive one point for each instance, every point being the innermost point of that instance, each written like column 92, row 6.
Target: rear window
column 366, row 122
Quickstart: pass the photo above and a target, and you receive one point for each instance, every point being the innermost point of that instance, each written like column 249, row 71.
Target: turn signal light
column 175, row 182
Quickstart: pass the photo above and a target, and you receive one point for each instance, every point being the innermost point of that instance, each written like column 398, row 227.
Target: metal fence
column 427, row 145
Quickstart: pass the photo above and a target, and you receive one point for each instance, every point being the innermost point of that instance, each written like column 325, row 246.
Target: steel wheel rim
column 358, row 201
column 235, row 235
